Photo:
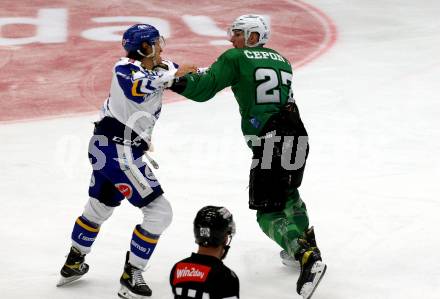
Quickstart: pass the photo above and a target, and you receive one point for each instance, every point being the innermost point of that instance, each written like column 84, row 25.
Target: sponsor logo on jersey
column 125, row 189
column 255, row 122
column 186, row 272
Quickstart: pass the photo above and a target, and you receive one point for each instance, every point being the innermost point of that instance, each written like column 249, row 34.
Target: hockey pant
column 118, row 173
column 279, row 159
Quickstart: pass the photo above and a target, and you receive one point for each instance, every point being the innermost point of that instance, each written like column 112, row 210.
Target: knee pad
column 97, row 212
column 157, row 216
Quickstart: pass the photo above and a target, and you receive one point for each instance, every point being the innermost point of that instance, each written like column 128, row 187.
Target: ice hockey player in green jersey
column 261, row 79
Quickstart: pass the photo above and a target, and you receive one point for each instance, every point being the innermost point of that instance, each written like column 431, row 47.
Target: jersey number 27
column 269, row 85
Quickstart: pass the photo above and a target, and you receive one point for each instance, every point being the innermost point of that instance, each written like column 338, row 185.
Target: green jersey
column 260, row 79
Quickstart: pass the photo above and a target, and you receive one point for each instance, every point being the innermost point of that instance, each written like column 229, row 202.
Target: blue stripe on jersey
column 134, row 90
column 149, row 87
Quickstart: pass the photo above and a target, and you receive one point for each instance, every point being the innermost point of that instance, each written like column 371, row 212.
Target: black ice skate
column 133, row 285
column 309, row 236
column 312, row 267
column 306, row 241
column 73, row 268
column 312, row 270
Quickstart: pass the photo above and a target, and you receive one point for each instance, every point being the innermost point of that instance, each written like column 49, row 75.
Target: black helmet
column 211, row 226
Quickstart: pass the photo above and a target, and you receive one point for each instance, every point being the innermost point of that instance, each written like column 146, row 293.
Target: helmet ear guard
column 251, row 23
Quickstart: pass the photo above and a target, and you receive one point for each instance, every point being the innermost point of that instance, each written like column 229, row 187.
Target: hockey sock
column 142, row 247
column 286, row 226
column 84, row 234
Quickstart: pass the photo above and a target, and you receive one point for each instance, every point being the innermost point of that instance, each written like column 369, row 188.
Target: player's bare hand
column 185, row 69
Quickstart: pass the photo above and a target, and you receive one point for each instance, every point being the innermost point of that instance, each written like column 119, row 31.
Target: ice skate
column 309, row 236
column 74, row 267
column 312, row 271
column 307, row 240
column 133, row 285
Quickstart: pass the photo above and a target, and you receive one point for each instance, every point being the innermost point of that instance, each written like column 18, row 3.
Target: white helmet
column 249, row 24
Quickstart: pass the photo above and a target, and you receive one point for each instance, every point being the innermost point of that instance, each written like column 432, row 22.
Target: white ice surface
column 371, row 105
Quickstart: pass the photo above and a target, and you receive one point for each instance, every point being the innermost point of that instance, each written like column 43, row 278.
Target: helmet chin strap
column 151, row 55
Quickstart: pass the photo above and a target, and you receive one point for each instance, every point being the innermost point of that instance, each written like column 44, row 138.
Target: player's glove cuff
column 179, row 84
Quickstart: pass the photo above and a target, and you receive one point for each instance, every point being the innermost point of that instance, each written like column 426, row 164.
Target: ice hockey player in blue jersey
column 121, row 138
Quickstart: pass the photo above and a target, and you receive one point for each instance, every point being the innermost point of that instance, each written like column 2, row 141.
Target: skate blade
column 66, row 280
column 125, row 293
column 309, row 288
